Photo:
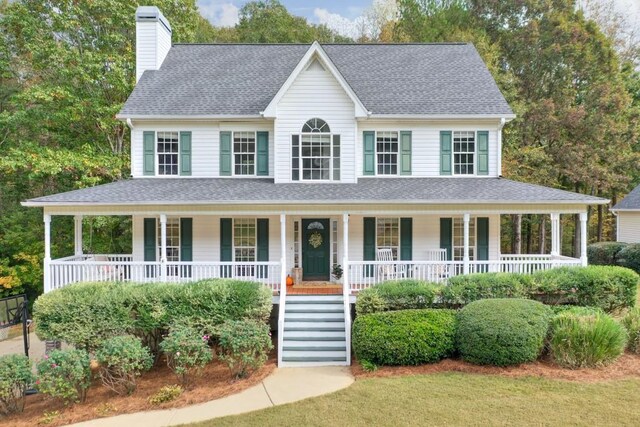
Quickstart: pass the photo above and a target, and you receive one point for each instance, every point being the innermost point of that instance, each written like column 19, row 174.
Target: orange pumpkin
column 289, row 280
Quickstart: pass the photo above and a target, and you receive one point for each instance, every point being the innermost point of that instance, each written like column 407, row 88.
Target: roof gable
column 630, row 202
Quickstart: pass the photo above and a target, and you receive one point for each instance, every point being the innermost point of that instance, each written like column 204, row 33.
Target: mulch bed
column 216, row 382
column 627, row 366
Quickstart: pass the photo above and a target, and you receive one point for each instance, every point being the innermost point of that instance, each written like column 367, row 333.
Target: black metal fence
column 15, row 311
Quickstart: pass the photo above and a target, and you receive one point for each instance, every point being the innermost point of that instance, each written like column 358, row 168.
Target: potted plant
column 336, row 272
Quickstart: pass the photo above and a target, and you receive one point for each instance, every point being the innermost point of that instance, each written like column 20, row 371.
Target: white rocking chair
column 389, row 270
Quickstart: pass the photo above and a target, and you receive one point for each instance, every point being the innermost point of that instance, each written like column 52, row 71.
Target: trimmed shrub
column 462, row 290
column 586, row 340
column 609, row 288
column 575, row 309
column 604, row 253
column 244, row 345
column 630, row 257
column 15, row 378
column 631, row 322
column 502, row 332
column 167, row 393
column 122, row 359
column 187, row 351
column 86, row 314
column 65, row 374
column 397, row 295
column 408, row 337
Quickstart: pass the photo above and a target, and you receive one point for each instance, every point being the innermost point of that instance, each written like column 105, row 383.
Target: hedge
column 604, row 253
column 85, row 314
column 630, row 257
column 462, row 290
column 408, row 337
column 502, row 332
column 397, row 295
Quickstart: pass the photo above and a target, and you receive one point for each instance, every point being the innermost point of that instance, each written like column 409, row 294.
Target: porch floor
column 315, row 288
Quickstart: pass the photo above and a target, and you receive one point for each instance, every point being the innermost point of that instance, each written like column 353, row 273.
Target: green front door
column 315, row 249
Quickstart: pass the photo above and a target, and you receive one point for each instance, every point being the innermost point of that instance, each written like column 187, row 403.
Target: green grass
column 457, row 399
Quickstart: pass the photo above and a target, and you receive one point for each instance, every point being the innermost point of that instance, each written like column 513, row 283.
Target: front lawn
column 458, row 399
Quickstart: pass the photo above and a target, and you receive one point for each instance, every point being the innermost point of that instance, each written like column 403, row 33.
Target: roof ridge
column 328, row 44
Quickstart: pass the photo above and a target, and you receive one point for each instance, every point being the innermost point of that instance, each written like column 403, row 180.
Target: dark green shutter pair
column 262, row 154
column 446, row 153
column 482, row 238
column 149, row 149
column 186, row 244
column 369, row 147
column 369, row 241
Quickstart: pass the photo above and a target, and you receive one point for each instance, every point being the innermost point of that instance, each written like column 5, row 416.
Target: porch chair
column 389, row 271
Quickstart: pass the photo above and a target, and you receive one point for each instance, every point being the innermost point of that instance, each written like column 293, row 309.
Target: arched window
column 316, row 125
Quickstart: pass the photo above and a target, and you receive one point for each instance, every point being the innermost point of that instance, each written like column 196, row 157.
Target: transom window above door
column 315, row 153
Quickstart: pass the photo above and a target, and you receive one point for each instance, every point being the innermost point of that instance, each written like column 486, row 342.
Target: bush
column 609, row 288
column 65, row 374
column 586, row 340
column 604, row 253
column 15, row 378
column 408, row 337
column 167, row 393
column 122, row 359
column 86, row 314
column 397, row 295
column 244, row 345
column 630, row 257
column 631, row 322
column 187, row 351
column 502, row 332
column 462, row 290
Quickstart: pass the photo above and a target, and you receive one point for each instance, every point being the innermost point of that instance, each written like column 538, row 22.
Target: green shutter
column 185, row 153
column 482, row 239
column 406, row 239
column 369, row 242
column 149, row 145
column 225, row 153
column 262, row 153
column 483, row 152
column 405, row 152
column 262, row 243
column 226, row 245
column 446, row 231
column 149, row 239
column 186, row 239
column 369, row 145
column 445, row 152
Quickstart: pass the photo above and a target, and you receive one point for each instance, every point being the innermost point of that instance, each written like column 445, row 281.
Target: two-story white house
column 261, row 161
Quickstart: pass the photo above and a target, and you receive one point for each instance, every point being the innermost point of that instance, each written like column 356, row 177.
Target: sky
column 343, row 16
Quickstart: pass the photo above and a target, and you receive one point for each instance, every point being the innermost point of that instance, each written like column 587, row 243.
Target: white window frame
column 472, row 238
column 397, row 248
column 332, row 156
column 173, row 224
column 255, row 238
column 157, row 154
column 474, row 153
column 297, row 245
column 397, row 132
column 255, row 153
column 335, row 260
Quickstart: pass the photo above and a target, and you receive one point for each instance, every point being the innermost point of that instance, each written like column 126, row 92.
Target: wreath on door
column 315, row 239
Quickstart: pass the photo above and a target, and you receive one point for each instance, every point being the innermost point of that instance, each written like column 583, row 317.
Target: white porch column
column 555, row 234
column 283, row 254
column 47, row 253
column 583, row 238
column 163, row 247
column 77, row 220
column 465, row 258
column 345, row 252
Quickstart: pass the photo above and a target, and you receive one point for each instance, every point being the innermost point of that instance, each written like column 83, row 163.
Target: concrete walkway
column 285, row 385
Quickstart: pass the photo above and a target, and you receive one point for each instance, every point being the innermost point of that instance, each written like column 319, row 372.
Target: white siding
column 205, row 143
column 315, row 93
column 153, row 42
column 629, row 227
column 425, row 141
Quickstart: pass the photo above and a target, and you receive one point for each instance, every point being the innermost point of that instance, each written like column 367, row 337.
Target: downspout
column 503, row 121
column 130, row 124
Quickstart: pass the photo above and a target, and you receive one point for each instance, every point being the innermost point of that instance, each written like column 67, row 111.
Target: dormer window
column 315, row 153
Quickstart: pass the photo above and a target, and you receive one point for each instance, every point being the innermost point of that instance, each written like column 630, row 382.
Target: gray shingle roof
column 632, row 201
column 264, row 191
column 241, row 79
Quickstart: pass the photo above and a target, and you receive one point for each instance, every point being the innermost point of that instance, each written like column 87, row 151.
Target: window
column 334, row 243
column 244, row 245
column 388, row 235
column 464, row 149
column 458, row 239
column 173, row 244
column 296, row 244
column 315, row 153
column 167, row 153
column 387, row 153
column 244, row 153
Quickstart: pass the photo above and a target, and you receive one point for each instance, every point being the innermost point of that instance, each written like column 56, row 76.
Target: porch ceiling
column 225, row 191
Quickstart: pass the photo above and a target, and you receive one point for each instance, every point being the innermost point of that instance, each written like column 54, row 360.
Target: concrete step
column 311, row 335
column 314, row 317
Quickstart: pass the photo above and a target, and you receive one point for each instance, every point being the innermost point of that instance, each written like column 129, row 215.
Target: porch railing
column 364, row 274
column 102, row 268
